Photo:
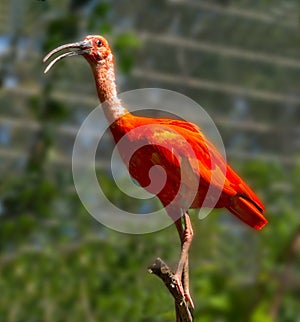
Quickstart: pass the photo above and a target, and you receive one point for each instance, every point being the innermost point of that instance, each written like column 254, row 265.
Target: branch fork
column 161, row 269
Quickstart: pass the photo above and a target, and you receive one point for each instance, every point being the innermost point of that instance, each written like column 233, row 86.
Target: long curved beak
column 83, row 47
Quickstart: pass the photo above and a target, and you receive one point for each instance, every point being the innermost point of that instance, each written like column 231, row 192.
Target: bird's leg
column 186, row 284
column 185, row 231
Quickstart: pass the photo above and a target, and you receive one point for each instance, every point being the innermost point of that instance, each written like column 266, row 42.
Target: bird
column 171, row 144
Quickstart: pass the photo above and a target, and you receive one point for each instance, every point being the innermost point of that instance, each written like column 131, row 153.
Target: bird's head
column 95, row 49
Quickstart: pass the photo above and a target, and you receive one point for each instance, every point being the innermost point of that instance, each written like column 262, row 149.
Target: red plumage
column 207, row 165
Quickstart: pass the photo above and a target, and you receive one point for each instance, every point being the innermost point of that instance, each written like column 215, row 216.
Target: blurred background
column 240, row 60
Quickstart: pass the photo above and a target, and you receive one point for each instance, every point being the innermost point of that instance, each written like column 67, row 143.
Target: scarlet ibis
column 154, row 135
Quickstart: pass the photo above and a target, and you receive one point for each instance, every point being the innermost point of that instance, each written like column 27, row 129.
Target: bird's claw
column 185, row 293
column 189, row 300
column 178, row 283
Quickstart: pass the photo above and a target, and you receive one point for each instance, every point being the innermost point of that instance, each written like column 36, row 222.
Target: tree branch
column 160, row 269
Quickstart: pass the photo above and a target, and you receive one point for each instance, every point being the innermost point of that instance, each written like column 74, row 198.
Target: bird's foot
column 178, row 283
column 188, row 299
column 185, row 293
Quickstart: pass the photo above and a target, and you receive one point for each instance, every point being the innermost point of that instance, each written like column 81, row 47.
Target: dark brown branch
column 161, row 269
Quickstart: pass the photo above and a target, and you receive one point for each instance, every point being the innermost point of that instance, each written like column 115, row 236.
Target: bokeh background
column 240, row 60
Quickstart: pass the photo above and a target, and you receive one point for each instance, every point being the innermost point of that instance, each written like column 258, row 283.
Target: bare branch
column 161, row 269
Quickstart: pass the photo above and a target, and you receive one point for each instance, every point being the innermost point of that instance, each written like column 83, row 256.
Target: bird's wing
column 207, row 162
column 177, row 143
column 183, row 151
column 192, row 146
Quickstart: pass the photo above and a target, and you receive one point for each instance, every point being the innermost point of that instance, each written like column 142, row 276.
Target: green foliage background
column 59, row 264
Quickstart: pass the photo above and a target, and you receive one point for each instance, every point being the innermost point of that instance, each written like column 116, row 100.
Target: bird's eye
column 99, row 43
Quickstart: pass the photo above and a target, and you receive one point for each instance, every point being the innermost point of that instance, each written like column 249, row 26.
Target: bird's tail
column 248, row 211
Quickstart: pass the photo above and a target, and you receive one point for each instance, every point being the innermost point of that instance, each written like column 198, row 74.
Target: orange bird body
column 171, row 145
column 153, row 135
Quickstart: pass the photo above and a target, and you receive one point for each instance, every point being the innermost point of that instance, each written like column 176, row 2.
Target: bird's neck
column 107, row 93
